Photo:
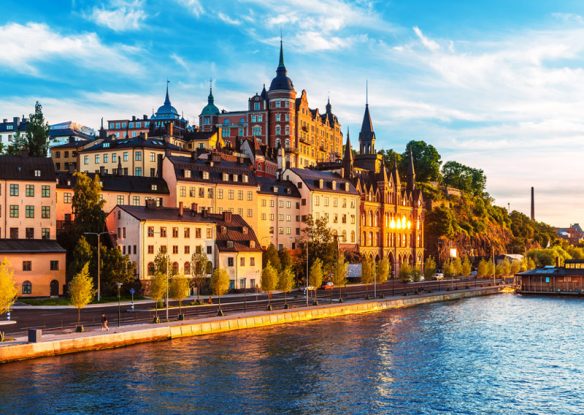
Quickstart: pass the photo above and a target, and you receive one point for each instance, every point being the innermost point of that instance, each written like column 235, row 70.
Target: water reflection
column 500, row 354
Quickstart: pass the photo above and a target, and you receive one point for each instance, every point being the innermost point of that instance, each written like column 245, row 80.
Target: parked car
column 327, row 285
column 439, row 276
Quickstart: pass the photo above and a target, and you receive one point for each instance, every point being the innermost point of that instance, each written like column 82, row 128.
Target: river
column 501, row 354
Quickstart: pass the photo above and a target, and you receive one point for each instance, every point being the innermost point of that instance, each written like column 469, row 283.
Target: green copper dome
column 210, row 108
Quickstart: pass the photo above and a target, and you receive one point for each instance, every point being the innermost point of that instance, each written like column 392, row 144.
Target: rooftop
column 27, row 168
column 30, row 246
column 121, row 183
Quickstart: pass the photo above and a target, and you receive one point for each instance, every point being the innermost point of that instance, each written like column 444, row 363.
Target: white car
column 438, row 276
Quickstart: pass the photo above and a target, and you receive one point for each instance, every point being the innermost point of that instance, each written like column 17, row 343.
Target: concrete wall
column 89, row 341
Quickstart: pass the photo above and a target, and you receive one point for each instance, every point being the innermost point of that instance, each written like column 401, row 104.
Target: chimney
column 194, row 208
column 532, row 203
column 16, row 120
column 133, row 118
column 227, row 216
column 204, row 212
column 180, row 209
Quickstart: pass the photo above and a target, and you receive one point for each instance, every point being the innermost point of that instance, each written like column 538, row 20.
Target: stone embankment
column 129, row 335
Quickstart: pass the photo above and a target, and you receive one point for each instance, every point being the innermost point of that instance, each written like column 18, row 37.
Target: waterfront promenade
column 57, row 344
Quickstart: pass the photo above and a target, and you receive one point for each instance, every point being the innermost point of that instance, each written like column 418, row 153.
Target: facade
column 227, row 240
column 215, row 184
column 66, row 156
column 129, row 127
column 68, row 131
column 327, row 194
column 116, row 190
column 278, row 118
column 279, row 213
column 566, row 280
column 27, row 198
column 8, row 129
column 39, row 266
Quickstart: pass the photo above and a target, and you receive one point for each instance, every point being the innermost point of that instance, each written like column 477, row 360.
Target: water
column 491, row 355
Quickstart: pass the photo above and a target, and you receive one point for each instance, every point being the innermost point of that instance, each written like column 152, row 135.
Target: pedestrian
column 104, row 323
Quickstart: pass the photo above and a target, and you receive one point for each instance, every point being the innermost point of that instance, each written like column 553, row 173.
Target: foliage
column 466, row 267
column 272, row 256
column 316, row 274
column 548, row 256
column 81, row 290
column 269, row 278
column 427, row 161
column 219, row 281
column 467, row 179
column 483, row 269
column 341, row 271
column 37, row 133
column 161, row 262
column 199, row 268
column 115, row 268
column 8, row 290
column 429, row 268
column 405, row 272
column 286, row 260
column 180, row 288
column 391, row 157
column 158, row 288
column 503, row 268
column 515, row 267
column 18, row 146
column 417, row 274
column 82, row 254
column 321, row 245
column 367, row 270
column 286, row 279
column 383, row 269
column 87, row 204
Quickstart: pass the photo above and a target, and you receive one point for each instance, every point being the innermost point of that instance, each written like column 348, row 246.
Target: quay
column 20, row 349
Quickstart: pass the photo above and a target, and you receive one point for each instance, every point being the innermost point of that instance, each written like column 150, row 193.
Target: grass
column 65, row 300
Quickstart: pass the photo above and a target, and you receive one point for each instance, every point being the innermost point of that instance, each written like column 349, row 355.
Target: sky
column 497, row 85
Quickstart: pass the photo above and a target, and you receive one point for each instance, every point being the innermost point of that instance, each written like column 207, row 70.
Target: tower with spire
column 367, row 158
column 209, row 116
column 167, row 121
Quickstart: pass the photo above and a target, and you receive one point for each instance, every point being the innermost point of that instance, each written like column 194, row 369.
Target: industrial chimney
column 532, row 204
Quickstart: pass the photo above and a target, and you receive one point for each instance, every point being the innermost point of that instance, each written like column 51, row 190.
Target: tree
column 427, row 161
column 367, row 270
column 515, row 267
column 391, row 157
column 503, row 268
column 180, row 288
column 416, row 274
column 429, row 268
column 8, row 290
column 81, row 292
column 219, row 284
column 321, row 245
column 465, row 178
column 449, row 269
column 158, row 289
column 483, row 269
column 18, row 147
column 199, row 269
column 161, row 262
column 466, row 268
column 285, row 259
column 87, row 204
column 82, row 254
column 269, row 281
column 286, row 282
column 116, row 268
column 37, row 133
column 340, row 274
column 405, row 272
column 316, row 274
column 272, row 256
column 383, row 268
column 456, row 265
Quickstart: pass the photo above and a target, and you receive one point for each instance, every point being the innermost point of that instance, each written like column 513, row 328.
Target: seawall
column 129, row 335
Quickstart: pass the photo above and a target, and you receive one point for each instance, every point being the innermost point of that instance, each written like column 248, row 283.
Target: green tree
column 391, row 157
column 465, row 178
column 82, row 254
column 81, row 292
column 37, row 133
column 367, row 270
column 219, row 284
column 18, row 147
column 285, row 259
column 199, row 268
column 492, row 269
column 180, row 288
column 158, row 290
column 269, row 281
column 466, row 267
column 272, row 256
column 417, row 274
column 321, row 245
column 161, row 262
column 8, row 290
column 116, row 268
column 405, row 272
column 429, row 268
column 427, row 161
column 449, row 269
column 340, row 274
column 383, row 268
column 87, row 204
column 316, row 274
column 286, row 282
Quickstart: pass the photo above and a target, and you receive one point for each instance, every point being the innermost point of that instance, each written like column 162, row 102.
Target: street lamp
column 119, row 284
column 98, row 234
column 397, row 225
column 167, row 270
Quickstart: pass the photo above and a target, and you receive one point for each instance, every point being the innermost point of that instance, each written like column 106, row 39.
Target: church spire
column 396, row 178
column 411, row 185
column 211, row 99
column 167, row 99
column 367, row 135
column 348, row 158
column 281, row 63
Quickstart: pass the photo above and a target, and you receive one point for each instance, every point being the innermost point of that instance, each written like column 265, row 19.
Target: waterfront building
column 116, row 190
column 38, row 265
column 278, row 118
column 567, row 279
column 27, row 198
column 327, row 194
column 9, row 129
column 279, row 213
column 227, row 240
column 214, row 183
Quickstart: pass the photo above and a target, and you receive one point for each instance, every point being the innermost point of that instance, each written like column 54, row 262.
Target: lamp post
column 98, row 234
column 119, row 284
column 167, row 271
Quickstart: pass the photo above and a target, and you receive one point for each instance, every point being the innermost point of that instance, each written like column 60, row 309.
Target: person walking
column 104, row 323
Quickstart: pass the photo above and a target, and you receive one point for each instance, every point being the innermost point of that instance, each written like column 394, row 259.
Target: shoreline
column 56, row 345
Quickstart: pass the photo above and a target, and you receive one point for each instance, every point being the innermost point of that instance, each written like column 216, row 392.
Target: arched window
column 27, row 287
column 174, row 268
column 151, row 268
column 187, row 268
column 257, row 130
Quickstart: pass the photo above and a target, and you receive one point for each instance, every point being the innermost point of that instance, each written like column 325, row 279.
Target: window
column 46, row 212
column 29, row 211
column 106, row 158
column 278, row 103
column 125, row 156
column 242, row 261
column 152, row 157
column 45, row 191
column 27, row 265
column 151, row 268
column 231, row 194
column 175, row 232
column 150, row 231
column 198, row 233
column 175, row 249
column 150, row 249
column 136, row 200
column 37, row 173
column 209, row 233
column 29, row 233
column 240, row 195
column 14, row 211
column 230, row 261
column 54, row 265
column 45, row 233
column 120, row 200
column 163, row 249
column 14, row 190
column 138, row 156
column 187, row 268
column 97, row 158
column 249, row 195
column 188, row 249
column 163, row 231
column 187, row 232
column 29, row 190
column 26, row 287
column 137, row 171
column 250, row 213
column 114, row 157
column 278, row 117
column 278, row 130
column 13, row 233
column 209, row 250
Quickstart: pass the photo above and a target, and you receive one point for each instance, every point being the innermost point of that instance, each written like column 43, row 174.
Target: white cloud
column 229, row 20
column 193, row 6
column 120, row 15
column 26, row 46
column 428, row 43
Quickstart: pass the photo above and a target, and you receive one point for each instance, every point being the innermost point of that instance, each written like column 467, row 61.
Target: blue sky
column 495, row 84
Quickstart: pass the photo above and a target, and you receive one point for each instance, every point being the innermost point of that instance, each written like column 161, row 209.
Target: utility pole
column 98, row 234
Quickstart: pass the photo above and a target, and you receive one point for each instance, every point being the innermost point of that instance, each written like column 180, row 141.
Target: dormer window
column 245, row 178
column 225, row 177
column 205, row 175
column 346, row 187
column 235, row 177
column 275, row 189
column 320, row 184
column 229, row 244
column 334, row 185
column 106, row 145
column 154, row 187
column 37, row 173
column 187, row 174
column 252, row 244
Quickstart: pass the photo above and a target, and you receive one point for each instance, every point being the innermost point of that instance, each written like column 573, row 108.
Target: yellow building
column 66, row 156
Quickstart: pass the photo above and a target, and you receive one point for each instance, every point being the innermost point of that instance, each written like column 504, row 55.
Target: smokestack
column 532, row 203
column 180, row 209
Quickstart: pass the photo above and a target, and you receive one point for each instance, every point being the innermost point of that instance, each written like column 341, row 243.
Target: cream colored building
column 326, row 194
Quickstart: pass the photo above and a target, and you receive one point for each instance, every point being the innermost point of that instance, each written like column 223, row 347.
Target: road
column 59, row 320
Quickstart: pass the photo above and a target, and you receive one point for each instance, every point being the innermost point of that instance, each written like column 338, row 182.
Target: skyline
column 498, row 88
